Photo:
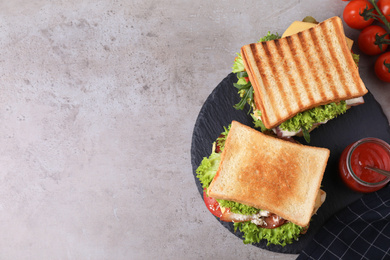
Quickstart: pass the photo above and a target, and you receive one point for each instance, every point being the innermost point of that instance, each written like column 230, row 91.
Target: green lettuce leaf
column 356, row 58
column 257, row 121
column 238, row 65
column 306, row 135
column 270, row 37
column 209, row 165
column 283, row 235
column 307, row 119
column 208, row 168
column 236, row 207
column 309, row 19
column 222, row 137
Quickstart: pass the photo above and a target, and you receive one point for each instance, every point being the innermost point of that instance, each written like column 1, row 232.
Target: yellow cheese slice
column 298, row 26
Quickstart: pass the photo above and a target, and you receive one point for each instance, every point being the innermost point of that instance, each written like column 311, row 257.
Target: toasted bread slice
column 298, row 72
column 269, row 173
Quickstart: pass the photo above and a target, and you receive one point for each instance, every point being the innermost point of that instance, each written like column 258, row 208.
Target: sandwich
column 268, row 187
column 297, row 82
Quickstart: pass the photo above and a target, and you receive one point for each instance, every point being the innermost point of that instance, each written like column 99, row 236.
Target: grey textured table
column 98, row 101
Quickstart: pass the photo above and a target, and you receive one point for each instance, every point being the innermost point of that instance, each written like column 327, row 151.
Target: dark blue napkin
column 360, row 231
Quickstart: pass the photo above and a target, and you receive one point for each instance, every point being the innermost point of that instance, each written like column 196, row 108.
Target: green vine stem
column 380, row 15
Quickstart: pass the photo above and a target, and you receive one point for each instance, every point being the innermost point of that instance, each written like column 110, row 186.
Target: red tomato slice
column 271, row 221
column 366, row 40
column 212, row 205
column 381, row 70
column 352, row 17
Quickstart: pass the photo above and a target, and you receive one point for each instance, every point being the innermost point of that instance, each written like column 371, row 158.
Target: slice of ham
column 283, row 133
column 273, row 221
column 229, row 216
column 354, row 101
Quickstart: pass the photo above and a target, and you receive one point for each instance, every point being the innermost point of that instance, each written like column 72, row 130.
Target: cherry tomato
column 382, row 70
column 352, row 15
column 366, row 40
column 212, row 204
column 384, row 6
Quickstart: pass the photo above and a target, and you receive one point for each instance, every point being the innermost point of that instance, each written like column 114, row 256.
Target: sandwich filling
column 310, row 119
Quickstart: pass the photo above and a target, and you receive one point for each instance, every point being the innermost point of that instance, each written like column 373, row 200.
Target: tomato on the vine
column 367, row 37
column 352, row 15
column 382, row 67
column 384, row 7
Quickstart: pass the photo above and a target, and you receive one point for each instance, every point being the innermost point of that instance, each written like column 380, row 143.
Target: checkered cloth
column 360, row 231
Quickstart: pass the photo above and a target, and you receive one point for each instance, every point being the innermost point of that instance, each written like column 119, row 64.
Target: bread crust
column 296, row 73
column 269, row 173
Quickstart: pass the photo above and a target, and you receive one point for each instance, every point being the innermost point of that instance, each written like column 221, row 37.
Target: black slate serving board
column 365, row 120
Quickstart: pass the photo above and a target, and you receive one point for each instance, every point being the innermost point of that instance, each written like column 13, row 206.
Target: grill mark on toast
column 292, row 49
column 302, row 42
column 278, row 80
column 335, row 60
column 351, row 66
column 324, row 66
column 264, row 78
column 256, row 87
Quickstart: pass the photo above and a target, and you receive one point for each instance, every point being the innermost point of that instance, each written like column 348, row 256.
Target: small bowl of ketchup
column 355, row 157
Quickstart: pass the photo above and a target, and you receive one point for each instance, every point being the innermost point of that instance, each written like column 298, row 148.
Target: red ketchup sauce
column 365, row 152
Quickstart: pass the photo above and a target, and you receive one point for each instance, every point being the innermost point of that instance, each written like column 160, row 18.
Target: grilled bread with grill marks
column 293, row 74
column 270, row 174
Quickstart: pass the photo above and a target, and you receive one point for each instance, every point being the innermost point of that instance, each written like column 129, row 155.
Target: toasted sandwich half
column 307, row 70
column 279, row 178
